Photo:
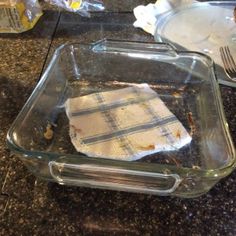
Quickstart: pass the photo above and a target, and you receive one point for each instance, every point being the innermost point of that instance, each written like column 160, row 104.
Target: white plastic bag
column 82, row 7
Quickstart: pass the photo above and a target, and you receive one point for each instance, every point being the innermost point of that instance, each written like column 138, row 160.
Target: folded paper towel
column 146, row 16
column 124, row 124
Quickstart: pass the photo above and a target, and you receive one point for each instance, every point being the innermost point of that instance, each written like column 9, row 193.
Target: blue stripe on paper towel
column 164, row 129
column 135, row 129
column 113, row 124
column 106, row 107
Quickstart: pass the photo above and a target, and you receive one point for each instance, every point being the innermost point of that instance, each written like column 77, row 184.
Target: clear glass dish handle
column 91, row 175
column 137, row 48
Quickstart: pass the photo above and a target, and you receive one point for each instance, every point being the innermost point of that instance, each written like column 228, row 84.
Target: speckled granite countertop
column 29, row 206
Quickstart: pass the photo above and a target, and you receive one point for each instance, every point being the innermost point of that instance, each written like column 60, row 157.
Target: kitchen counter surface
column 29, row 206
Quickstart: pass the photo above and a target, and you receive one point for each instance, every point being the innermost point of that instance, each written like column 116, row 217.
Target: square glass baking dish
column 185, row 82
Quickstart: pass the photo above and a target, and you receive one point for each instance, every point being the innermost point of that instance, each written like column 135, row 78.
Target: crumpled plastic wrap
column 82, row 7
column 17, row 16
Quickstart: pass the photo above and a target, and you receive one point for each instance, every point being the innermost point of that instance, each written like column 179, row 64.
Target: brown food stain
column 177, row 163
column 191, row 123
column 178, row 134
column 146, row 148
column 76, row 129
column 48, row 134
column 190, row 118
